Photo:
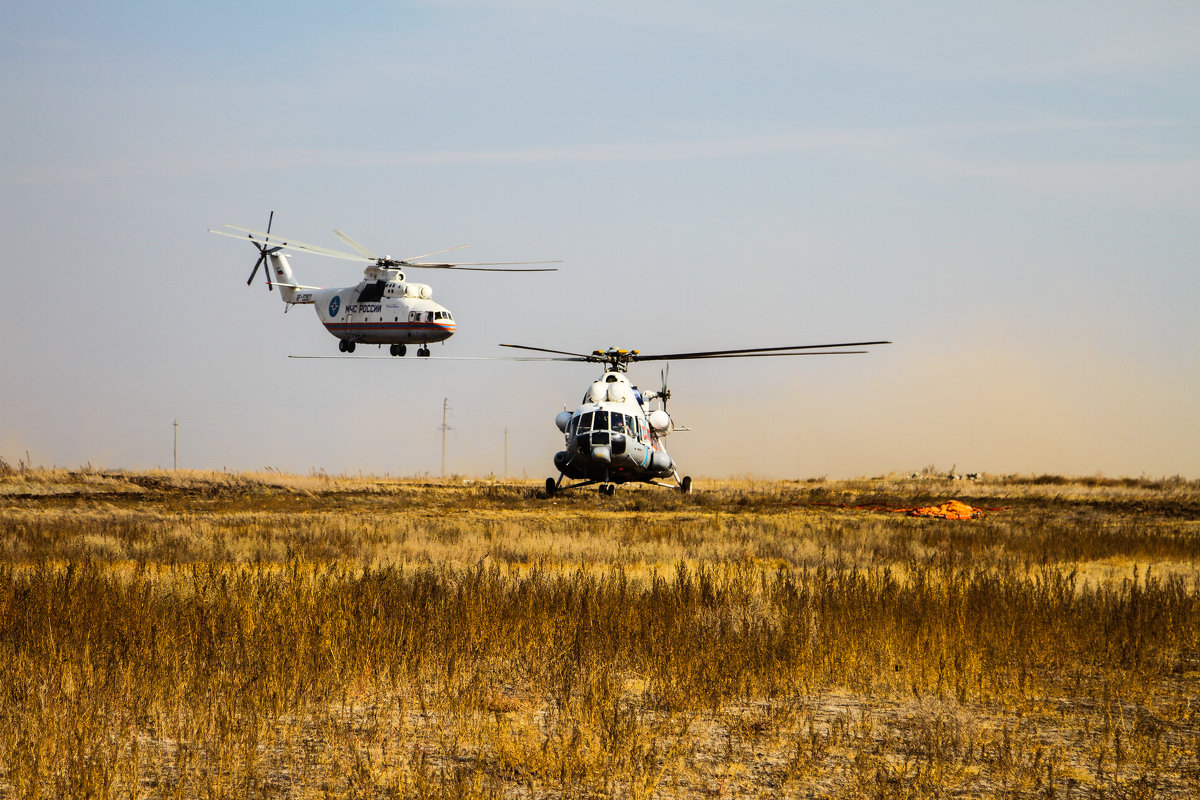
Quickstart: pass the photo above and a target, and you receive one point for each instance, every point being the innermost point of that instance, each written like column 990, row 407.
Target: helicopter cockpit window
column 585, row 422
column 600, row 421
column 619, row 423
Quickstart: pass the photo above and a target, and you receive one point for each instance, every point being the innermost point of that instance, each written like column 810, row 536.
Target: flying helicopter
column 616, row 434
column 383, row 308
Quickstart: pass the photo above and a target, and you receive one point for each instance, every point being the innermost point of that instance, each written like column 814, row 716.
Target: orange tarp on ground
column 950, row 510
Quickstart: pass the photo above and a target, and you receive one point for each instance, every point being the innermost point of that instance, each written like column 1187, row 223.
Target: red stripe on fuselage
column 378, row 326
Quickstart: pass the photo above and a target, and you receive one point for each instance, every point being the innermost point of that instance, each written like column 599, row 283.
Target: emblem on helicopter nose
column 334, row 305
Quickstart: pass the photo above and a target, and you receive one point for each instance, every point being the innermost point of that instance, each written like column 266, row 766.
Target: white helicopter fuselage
column 383, row 308
column 614, row 436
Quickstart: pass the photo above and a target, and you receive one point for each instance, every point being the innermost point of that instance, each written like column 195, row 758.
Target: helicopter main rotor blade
column 414, row 259
column 239, row 236
column 395, row 359
column 546, row 350
column 355, row 245
column 745, row 351
column 292, row 244
column 687, row 357
column 478, row 266
column 305, row 247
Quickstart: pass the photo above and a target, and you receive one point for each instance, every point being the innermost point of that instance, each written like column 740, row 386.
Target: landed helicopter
column 383, row 308
column 616, row 434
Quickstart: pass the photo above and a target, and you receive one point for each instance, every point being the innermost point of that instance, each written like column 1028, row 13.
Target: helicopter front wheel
column 551, row 487
column 398, row 350
column 345, row 346
column 685, row 485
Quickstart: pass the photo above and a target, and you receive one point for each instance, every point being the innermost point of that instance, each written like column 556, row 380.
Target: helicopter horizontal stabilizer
column 297, row 286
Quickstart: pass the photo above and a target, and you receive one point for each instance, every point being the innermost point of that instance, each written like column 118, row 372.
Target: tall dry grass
column 190, row 680
column 244, row 636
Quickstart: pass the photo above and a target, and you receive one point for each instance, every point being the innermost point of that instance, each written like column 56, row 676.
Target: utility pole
column 445, row 428
column 175, row 447
column 505, row 452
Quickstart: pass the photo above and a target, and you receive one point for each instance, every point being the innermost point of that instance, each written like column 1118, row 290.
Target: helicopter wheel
column 349, row 347
column 423, row 352
column 342, row 345
column 608, row 489
column 398, row 350
column 551, row 487
column 685, row 485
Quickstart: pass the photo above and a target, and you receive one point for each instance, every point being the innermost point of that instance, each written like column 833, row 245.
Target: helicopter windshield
column 600, row 421
column 585, row 422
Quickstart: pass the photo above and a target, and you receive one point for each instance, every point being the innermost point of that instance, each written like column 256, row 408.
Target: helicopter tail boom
column 289, row 291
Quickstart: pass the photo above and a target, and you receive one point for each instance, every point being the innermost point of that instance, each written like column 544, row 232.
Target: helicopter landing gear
column 423, row 352
column 346, row 347
column 551, row 487
column 685, row 485
column 608, row 489
column 398, row 350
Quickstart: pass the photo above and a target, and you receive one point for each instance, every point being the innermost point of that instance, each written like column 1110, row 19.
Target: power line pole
column 506, row 452
column 445, row 428
column 175, row 447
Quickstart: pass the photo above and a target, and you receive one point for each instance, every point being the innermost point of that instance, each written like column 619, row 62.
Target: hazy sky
column 1010, row 192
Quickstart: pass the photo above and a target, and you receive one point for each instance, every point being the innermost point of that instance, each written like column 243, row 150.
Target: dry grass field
column 182, row 634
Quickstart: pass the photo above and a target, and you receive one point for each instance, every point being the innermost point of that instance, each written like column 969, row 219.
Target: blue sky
column 1010, row 193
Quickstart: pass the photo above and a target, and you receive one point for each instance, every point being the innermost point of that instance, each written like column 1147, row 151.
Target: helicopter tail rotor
column 264, row 250
column 664, row 393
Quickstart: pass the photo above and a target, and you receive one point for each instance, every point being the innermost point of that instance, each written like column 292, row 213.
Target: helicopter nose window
column 585, row 422
column 600, row 421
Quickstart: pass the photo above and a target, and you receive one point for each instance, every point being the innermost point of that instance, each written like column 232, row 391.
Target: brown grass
column 207, row 634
